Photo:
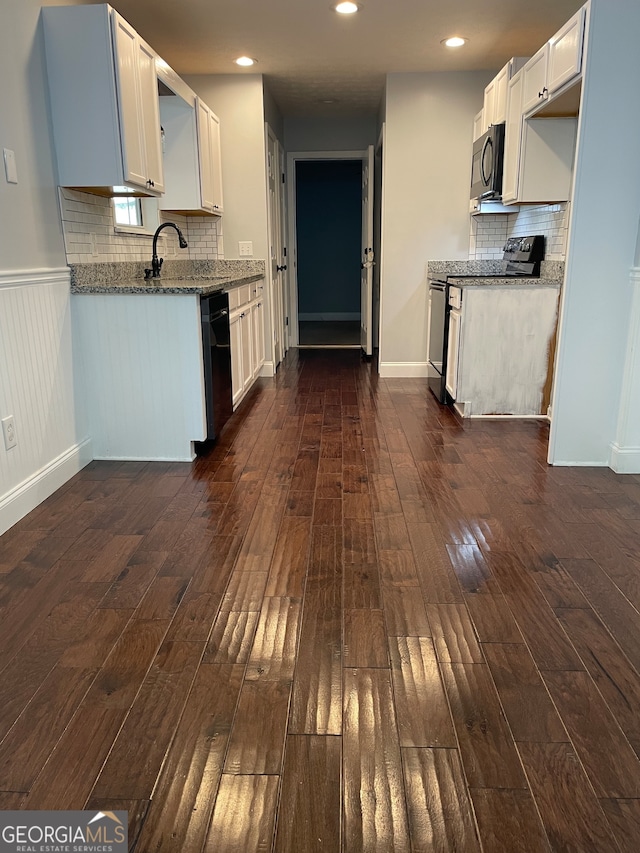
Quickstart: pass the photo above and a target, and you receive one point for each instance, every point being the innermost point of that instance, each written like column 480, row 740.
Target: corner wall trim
column 403, row 369
column 624, row 460
column 27, row 495
column 267, row 369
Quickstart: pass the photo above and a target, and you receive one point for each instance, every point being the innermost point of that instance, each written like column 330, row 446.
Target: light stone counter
column 180, row 277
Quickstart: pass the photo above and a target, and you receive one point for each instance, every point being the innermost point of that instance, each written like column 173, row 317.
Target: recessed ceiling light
column 346, row 8
column 245, row 61
column 454, row 41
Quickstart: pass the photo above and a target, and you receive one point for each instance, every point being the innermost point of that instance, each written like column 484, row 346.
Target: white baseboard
column 268, row 369
column 26, row 496
column 624, row 460
column 328, row 317
column 403, row 369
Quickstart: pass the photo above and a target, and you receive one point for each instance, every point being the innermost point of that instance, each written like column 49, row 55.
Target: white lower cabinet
column 257, row 330
column 235, row 330
column 246, row 322
column 453, row 349
column 500, row 350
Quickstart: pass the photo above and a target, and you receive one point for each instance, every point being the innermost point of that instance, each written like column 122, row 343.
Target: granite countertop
column 201, row 286
column 490, row 273
column 180, row 277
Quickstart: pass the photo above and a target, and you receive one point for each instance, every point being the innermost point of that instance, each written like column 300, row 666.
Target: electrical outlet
column 245, row 247
column 9, row 432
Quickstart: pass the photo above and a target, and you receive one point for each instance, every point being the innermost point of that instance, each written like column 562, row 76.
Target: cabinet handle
column 544, row 93
column 282, row 268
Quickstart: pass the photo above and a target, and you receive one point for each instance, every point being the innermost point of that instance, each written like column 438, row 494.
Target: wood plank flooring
column 355, row 624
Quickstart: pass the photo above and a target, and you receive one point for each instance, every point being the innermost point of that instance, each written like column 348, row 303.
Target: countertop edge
column 176, row 287
column 513, row 281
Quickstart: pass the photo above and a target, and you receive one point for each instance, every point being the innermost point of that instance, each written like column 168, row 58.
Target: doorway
column 329, row 280
column 328, row 230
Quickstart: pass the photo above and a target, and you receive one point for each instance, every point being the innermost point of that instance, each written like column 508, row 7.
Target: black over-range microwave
column 486, row 164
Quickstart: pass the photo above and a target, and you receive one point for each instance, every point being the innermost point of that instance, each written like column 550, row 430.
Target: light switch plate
column 10, row 168
column 245, row 247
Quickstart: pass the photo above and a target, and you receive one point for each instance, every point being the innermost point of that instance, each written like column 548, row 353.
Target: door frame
column 277, row 232
column 292, row 278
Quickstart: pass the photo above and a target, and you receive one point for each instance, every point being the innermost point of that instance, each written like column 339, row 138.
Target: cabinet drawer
column 239, row 296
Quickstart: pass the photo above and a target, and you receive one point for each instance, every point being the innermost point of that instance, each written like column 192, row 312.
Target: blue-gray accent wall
column 329, row 231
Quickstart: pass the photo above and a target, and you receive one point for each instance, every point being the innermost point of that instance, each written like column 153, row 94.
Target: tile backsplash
column 90, row 236
column 489, row 232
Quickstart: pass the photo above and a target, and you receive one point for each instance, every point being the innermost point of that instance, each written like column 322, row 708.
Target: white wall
column 426, row 169
column 597, row 306
column 272, row 114
column 36, row 363
column 326, row 134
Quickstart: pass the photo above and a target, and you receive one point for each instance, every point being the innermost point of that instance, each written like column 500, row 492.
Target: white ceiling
column 308, row 53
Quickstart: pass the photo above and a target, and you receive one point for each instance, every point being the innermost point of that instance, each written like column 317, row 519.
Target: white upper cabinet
column 104, row 101
column 538, row 155
column 193, row 172
column 534, row 80
column 210, row 158
column 478, row 125
column 512, row 137
column 557, row 64
column 565, row 53
column 138, row 106
column 495, row 94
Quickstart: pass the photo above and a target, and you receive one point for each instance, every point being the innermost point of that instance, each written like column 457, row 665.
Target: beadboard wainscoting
column 38, row 388
column 625, row 451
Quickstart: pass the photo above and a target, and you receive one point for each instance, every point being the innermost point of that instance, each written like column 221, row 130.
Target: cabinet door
column 489, row 105
column 235, row 330
column 513, row 136
column 453, row 351
column 478, row 125
column 500, row 96
column 565, row 52
column 204, row 154
column 133, row 154
column 138, row 107
column 247, row 348
column 535, row 80
column 216, row 162
column 257, row 328
column 150, row 116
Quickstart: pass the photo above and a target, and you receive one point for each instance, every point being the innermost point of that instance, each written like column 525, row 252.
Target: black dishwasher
column 216, row 344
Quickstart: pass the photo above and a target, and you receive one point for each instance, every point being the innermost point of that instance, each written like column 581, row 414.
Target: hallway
column 354, row 625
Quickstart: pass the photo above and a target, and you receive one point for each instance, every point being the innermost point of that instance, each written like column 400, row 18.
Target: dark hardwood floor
column 356, row 625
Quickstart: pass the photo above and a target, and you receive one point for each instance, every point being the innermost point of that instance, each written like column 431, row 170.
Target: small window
column 128, row 211
column 133, row 215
